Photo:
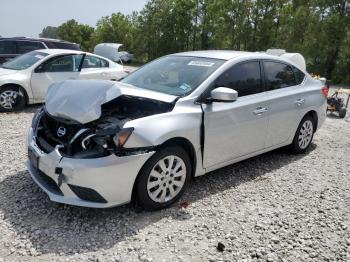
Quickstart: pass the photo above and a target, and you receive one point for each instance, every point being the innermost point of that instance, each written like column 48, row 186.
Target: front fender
column 19, row 81
column 184, row 121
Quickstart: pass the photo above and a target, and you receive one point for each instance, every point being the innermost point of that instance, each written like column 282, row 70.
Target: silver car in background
column 102, row 144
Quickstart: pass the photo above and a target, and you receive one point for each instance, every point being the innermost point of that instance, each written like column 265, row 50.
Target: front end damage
column 84, row 163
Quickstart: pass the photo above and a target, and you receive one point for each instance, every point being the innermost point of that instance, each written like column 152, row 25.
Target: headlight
column 123, row 136
column 37, row 117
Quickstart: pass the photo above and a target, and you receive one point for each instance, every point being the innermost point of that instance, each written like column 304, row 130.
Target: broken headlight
column 123, row 136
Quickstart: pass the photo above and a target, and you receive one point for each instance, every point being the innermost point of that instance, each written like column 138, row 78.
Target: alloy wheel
column 8, row 99
column 166, row 179
column 305, row 134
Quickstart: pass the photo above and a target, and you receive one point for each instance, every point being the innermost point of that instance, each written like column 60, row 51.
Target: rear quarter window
column 299, row 75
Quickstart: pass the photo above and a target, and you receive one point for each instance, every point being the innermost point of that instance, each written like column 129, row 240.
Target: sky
column 29, row 17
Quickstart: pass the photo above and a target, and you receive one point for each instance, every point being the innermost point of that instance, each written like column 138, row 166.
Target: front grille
column 87, row 194
column 52, row 126
column 48, row 135
column 48, row 183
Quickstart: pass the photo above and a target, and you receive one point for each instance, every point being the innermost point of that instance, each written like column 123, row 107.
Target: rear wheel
column 12, row 98
column 163, row 179
column 342, row 112
column 303, row 136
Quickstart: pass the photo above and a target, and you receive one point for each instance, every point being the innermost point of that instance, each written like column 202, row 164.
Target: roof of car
column 59, row 51
column 35, row 39
column 216, row 54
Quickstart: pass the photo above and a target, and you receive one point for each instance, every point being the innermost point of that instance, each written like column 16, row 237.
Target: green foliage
column 49, row 32
column 78, row 33
column 319, row 29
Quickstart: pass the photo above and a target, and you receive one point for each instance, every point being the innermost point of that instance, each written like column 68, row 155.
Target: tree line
column 318, row 29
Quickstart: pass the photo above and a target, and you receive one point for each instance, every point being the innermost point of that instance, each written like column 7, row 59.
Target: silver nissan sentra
column 101, row 143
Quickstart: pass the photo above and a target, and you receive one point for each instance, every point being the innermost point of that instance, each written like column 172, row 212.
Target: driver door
column 58, row 68
column 239, row 128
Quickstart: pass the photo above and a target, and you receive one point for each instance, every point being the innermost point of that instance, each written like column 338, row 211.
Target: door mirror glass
column 223, row 94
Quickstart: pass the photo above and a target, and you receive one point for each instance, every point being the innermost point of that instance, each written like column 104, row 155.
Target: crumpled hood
column 4, row 72
column 81, row 100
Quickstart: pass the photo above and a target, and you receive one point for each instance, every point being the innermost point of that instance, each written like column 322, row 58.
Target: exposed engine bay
column 100, row 137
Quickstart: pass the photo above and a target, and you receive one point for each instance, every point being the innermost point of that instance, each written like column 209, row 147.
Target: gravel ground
column 275, row 207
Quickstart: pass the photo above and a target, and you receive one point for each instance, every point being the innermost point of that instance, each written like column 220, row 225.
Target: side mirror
column 223, row 94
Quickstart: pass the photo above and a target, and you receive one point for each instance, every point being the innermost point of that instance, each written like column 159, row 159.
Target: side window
column 299, row 76
column 94, row 62
column 26, row 46
column 278, row 75
column 7, row 47
column 65, row 63
column 244, row 78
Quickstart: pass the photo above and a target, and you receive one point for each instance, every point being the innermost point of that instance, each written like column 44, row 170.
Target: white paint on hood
column 81, row 100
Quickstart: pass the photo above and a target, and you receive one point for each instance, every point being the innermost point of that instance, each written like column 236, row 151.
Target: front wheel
column 303, row 136
column 11, row 99
column 163, row 179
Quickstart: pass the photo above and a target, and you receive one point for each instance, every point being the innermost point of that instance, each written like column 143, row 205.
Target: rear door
column 55, row 69
column 94, row 67
column 239, row 128
column 282, row 86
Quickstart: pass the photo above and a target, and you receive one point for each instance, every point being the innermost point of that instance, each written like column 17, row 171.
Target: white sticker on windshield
column 201, row 63
column 185, row 86
column 39, row 56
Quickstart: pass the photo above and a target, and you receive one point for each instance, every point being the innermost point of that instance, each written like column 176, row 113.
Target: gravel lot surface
column 275, row 207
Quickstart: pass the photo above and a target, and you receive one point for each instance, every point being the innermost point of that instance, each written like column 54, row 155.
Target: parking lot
column 274, row 207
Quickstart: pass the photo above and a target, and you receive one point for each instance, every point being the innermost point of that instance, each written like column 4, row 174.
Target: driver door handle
column 260, row 110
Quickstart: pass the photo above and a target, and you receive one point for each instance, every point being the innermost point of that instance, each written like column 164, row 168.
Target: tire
column 342, row 112
column 153, row 185
column 12, row 98
column 303, row 136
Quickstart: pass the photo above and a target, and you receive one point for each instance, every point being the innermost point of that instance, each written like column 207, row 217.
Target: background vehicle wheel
column 342, row 112
column 12, row 98
column 163, row 179
column 303, row 136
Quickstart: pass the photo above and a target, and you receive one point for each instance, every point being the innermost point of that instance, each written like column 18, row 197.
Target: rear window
column 59, row 45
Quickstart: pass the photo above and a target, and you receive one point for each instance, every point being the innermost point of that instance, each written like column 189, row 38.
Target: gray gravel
column 275, row 207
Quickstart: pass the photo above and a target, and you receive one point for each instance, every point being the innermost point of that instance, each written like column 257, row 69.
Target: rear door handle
column 300, row 102
column 259, row 111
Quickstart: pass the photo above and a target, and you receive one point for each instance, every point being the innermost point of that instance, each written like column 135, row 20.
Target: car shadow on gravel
column 27, row 110
column 60, row 229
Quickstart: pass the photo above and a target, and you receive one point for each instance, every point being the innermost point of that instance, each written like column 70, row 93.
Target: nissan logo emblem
column 61, row 131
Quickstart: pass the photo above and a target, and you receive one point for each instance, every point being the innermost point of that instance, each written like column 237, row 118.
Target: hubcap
column 166, row 179
column 8, row 99
column 305, row 134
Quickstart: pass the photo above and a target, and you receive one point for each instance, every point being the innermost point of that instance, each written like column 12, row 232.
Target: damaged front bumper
column 97, row 183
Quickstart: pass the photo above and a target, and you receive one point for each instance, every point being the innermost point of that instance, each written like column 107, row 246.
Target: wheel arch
column 20, row 87
column 313, row 114
column 176, row 141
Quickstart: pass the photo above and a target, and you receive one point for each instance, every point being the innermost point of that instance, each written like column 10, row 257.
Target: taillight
column 325, row 91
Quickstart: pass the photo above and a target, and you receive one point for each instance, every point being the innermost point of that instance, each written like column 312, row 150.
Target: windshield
column 174, row 75
column 24, row 61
